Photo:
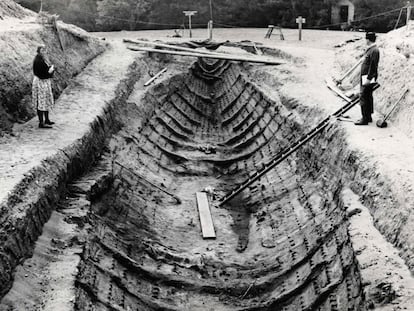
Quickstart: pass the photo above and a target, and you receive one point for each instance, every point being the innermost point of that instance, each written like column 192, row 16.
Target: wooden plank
column 226, row 57
column 207, row 226
column 172, row 47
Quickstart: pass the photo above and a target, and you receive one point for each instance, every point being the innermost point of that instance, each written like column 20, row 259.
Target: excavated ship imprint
column 282, row 245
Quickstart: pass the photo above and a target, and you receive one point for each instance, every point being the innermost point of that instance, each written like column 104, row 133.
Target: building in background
column 342, row 12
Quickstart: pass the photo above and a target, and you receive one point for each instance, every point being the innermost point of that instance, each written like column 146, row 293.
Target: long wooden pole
column 346, row 74
column 399, row 18
column 396, row 104
column 155, row 77
column 170, row 46
column 226, row 57
column 210, row 23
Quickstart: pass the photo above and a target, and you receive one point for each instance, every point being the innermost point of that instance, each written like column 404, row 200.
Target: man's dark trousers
column 367, row 102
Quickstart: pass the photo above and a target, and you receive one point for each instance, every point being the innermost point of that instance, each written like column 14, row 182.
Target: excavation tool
column 383, row 122
column 286, row 152
column 155, row 77
column 334, row 88
column 345, row 119
column 333, row 84
column 347, row 73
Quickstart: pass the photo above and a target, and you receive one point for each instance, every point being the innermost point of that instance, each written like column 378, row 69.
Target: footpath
column 84, row 99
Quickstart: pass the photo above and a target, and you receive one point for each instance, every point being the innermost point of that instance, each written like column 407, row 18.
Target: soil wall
column 30, row 204
column 9, row 8
column 389, row 205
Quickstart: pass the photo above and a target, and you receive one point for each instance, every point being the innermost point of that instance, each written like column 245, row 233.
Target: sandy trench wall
column 30, row 205
column 9, row 8
column 69, row 55
column 389, row 206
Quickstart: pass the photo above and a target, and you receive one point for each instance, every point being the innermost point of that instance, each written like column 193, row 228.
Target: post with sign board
column 189, row 14
column 300, row 21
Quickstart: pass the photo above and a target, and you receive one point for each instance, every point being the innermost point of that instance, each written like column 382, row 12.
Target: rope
column 359, row 20
column 225, row 26
column 327, row 25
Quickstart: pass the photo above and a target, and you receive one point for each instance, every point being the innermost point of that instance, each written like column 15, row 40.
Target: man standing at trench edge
column 369, row 76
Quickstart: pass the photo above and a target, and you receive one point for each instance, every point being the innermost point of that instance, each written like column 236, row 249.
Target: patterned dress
column 42, row 95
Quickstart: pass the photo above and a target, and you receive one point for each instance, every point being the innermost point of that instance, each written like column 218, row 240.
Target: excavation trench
column 282, row 245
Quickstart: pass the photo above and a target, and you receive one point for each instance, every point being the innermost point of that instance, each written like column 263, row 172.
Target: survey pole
column 189, row 14
column 210, row 23
column 300, row 21
column 210, row 30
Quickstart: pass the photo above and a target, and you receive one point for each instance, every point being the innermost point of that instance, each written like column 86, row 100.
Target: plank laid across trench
column 207, row 226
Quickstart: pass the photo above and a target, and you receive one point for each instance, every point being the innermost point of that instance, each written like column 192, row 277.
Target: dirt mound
column 9, row 8
column 69, row 48
column 396, row 74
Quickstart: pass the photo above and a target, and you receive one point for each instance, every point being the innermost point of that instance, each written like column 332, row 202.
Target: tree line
column 110, row 15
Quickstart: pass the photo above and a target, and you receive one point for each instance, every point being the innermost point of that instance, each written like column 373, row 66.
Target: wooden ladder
column 286, row 152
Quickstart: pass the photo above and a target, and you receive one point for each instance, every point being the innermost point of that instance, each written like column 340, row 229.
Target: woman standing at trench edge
column 42, row 95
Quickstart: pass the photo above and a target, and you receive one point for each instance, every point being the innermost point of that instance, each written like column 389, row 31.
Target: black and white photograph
column 206, row 155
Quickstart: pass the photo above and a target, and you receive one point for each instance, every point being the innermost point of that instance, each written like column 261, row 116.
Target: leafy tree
column 121, row 14
column 109, row 15
column 82, row 13
column 367, row 8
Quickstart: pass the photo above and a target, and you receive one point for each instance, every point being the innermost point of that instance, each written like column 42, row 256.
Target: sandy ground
column 15, row 24
column 387, row 149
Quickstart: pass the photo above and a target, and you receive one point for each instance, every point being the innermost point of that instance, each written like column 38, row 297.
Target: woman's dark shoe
column 47, row 121
column 44, row 126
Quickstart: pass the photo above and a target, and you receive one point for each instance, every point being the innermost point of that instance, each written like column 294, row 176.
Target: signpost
column 300, row 20
column 210, row 23
column 189, row 14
